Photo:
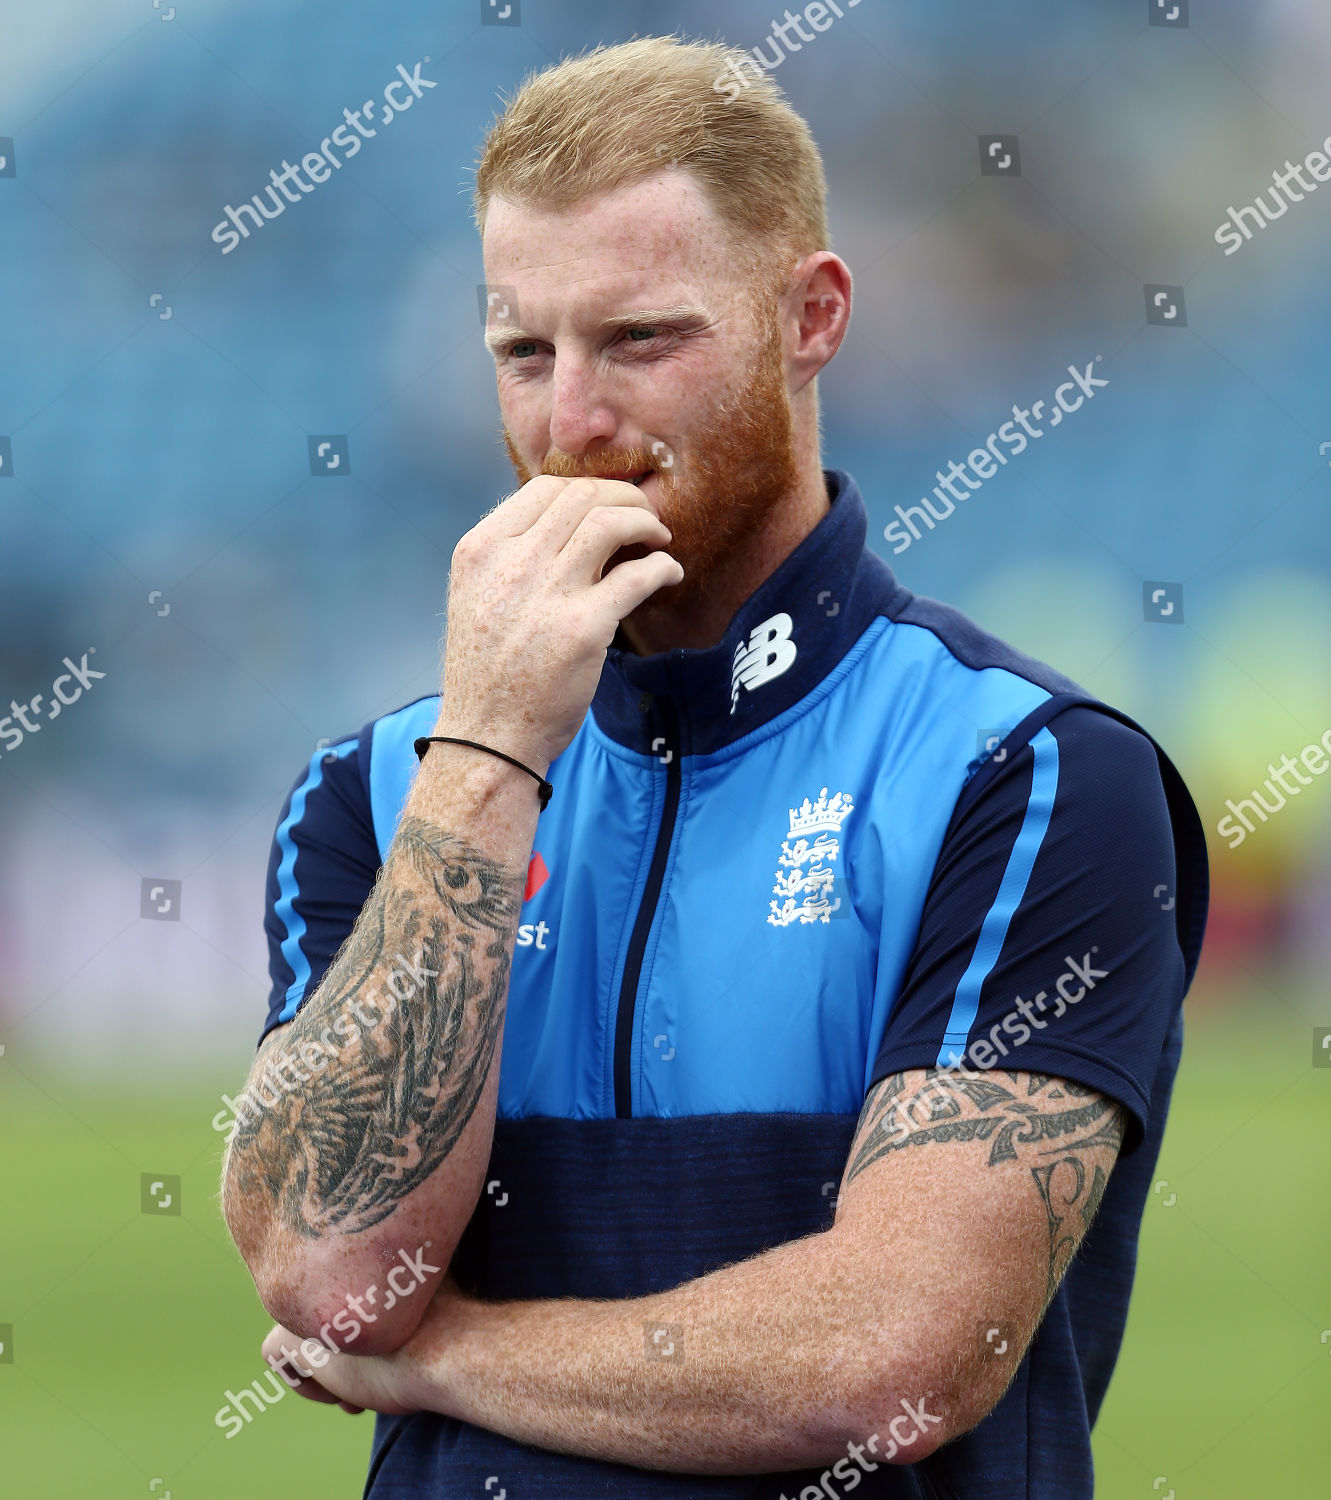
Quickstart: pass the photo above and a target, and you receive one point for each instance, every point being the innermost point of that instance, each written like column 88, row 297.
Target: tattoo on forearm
column 1050, row 1123
column 342, row 1152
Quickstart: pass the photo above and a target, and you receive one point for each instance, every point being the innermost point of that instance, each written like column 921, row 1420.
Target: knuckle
column 602, row 519
column 542, row 485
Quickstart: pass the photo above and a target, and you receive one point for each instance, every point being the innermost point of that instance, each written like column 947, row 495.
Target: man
column 729, row 1127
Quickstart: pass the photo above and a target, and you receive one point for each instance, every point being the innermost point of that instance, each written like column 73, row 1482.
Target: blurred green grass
column 129, row 1329
column 1224, row 1385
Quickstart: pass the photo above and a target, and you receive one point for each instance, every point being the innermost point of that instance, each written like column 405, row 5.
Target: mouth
column 637, row 479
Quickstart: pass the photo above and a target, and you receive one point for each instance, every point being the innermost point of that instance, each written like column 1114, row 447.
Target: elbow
column 903, row 1431
column 875, row 1418
column 345, row 1324
column 906, row 1412
column 362, row 1294
column 344, row 1314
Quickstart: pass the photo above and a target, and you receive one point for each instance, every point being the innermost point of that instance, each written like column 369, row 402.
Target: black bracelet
column 544, row 790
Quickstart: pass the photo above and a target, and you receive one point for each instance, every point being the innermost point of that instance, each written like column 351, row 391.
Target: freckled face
column 635, row 347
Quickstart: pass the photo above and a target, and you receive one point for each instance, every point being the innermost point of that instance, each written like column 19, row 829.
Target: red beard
column 728, row 477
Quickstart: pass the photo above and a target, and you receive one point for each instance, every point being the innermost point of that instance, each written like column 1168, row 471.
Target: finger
column 627, row 584
column 520, row 511
column 568, row 509
column 310, row 1388
column 603, row 531
column 275, row 1340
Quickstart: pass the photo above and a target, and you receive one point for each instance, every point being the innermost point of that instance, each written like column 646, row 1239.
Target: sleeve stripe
column 287, row 890
column 1011, row 889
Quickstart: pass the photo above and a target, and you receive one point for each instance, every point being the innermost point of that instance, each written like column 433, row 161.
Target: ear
column 819, row 307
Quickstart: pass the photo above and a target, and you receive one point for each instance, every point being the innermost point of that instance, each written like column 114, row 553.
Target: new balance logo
column 767, row 653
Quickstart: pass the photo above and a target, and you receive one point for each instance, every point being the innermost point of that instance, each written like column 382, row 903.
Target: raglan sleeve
column 1049, row 940
column 321, row 869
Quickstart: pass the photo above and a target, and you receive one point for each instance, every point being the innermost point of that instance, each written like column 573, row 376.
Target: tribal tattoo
column 341, row 1152
column 1053, row 1125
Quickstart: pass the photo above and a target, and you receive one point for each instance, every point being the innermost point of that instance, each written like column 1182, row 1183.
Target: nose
column 579, row 412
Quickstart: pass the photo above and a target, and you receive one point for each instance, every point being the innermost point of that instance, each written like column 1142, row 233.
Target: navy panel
column 1099, row 896
column 436, row 1457
column 972, row 646
column 1058, row 1391
column 1192, row 865
column 1013, row 890
column 1099, row 1280
column 623, row 1208
column 321, row 869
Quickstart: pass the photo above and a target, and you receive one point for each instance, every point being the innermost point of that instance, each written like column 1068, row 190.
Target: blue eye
column 641, row 335
column 524, row 350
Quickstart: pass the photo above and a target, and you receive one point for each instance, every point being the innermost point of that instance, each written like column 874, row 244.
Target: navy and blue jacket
column 838, row 844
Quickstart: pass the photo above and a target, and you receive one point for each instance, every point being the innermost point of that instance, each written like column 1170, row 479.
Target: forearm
column 366, row 1125
column 754, row 1368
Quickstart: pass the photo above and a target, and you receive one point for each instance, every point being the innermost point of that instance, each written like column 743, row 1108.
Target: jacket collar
column 783, row 640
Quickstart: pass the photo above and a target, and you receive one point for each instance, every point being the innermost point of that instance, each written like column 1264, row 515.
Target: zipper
column 642, row 926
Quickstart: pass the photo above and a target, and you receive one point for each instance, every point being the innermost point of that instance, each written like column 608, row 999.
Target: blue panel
column 393, row 764
column 595, row 840
column 747, row 1009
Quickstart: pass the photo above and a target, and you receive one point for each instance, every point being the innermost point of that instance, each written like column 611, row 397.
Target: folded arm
column 963, row 1201
column 377, row 1155
column 365, row 1126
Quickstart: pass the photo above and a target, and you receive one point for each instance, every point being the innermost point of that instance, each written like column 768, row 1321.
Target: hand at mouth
column 625, row 554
